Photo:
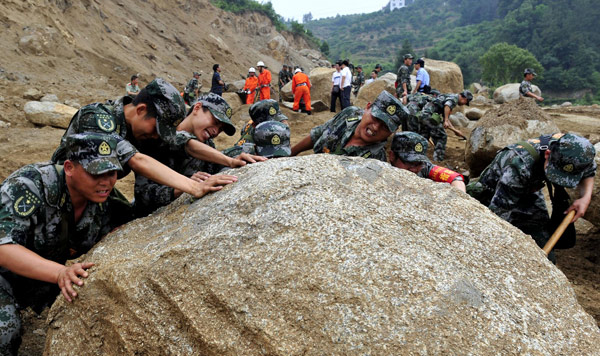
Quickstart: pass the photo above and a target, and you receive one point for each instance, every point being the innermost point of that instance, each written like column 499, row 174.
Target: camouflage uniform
column 189, row 91
column 411, row 147
column 403, row 77
column 525, row 88
column 150, row 195
column 109, row 118
column 415, row 104
column 432, row 122
column 264, row 110
column 272, row 139
column 511, row 186
column 359, row 80
column 332, row 136
column 36, row 212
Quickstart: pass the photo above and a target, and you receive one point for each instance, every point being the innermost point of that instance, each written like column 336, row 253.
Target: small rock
column 49, row 114
column 474, row 114
column 40, row 332
column 72, row 103
column 52, row 98
column 566, row 104
column 32, row 94
column 1, row 99
column 459, row 119
column 4, row 125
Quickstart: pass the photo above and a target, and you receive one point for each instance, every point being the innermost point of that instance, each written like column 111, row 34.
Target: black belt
column 299, row 85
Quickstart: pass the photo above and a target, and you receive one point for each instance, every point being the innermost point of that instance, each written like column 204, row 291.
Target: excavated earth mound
column 318, row 255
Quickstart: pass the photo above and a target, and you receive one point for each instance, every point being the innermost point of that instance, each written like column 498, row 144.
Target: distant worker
column 336, row 87
column 357, row 132
column 359, row 80
column 409, row 152
column 264, row 81
column 403, row 87
column 378, row 68
column 435, row 118
column 525, row 89
column 301, row 89
column 346, row 84
column 217, row 85
column 422, row 77
column 192, row 89
column 373, row 77
column 132, row 87
column 251, row 86
column 283, row 79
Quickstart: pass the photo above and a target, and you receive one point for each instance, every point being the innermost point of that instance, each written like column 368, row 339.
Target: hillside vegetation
column 560, row 35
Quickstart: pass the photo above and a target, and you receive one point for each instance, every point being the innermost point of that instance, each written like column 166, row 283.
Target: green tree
column 325, row 48
column 307, row 18
column 406, row 48
column 504, row 63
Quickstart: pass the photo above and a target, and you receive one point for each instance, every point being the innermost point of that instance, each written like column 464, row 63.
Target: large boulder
column 316, row 255
column 444, row 76
column 369, row 92
column 499, row 127
column 474, row 113
column 49, row 113
column 510, row 92
column 234, row 100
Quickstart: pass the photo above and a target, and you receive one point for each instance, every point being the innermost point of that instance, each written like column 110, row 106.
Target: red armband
column 442, row 174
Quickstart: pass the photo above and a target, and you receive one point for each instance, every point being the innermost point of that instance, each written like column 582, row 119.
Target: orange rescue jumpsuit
column 251, row 84
column 301, row 89
column 264, row 80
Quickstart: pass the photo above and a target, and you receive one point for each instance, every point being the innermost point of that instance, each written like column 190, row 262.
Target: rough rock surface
column 458, row 119
column 510, row 92
column 358, row 258
column 444, row 76
column 499, row 127
column 50, row 98
column 369, row 92
column 49, row 113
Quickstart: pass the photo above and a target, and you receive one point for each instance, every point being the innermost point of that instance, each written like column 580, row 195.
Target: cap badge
column 228, row 112
column 272, row 111
column 568, row 168
column 419, row 147
column 104, row 148
column 275, row 140
column 391, row 109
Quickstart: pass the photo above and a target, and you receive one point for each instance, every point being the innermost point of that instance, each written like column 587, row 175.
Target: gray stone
column 510, row 92
column 474, row 113
column 72, row 103
column 4, row 125
column 318, row 106
column 458, row 119
column 566, row 104
column 50, row 98
column 322, row 255
column 32, row 94
column 1, row 99
column 49, row 113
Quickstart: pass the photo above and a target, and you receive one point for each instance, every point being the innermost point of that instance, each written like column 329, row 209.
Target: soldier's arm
column 304, row 145
column 586, row 187
column 158, row 172
column 447, row 112
column 204, row 152
column 536, row 97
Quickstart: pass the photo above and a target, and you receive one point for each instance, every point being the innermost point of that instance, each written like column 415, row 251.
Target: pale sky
column 324, row 8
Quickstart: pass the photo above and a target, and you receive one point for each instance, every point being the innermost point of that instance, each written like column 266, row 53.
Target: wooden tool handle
column 558, row 233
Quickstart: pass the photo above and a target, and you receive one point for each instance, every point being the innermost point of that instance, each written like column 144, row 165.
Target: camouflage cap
column 272, row 139
column 410, row 147
column 170, row 108
column 388, row 109
column 408, row 55
column 220, row 109
column 97, row 153
column 529, row 71
column 467, row 94
column 570, row 155
column 434, row 92
column 266, row 110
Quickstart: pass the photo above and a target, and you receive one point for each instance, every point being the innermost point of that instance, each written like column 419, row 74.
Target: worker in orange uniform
column 301, row 89
column 264, row 81
column 251, row 86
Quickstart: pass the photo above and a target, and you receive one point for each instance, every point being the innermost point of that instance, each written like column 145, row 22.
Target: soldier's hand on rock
column 200, row 176
column 216, row 182
column 251, row 158
column 69, row 275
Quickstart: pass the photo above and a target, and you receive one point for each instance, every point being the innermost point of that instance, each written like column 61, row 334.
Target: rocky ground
column 22, row 143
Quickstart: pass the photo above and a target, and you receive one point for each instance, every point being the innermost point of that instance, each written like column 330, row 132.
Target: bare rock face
column 322, row 254
column 510, row 92
column 444, row 76
column 49, row 113
column 499, row 127
column 369, row 92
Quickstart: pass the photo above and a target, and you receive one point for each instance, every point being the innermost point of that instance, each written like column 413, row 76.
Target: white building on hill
column 396, row 4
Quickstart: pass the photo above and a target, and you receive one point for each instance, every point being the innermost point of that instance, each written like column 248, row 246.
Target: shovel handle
column 558, row 233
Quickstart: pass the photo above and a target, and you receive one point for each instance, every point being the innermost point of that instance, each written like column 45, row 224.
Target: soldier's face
column 529, row 77
column 205, row 125
column 94, row 188
column 371, row 129
column 408, row 61
column 414, row 167
column 144, row 129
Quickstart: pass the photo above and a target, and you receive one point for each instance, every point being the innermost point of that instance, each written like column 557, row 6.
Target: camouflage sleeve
column 451, row 102
column 524, row 88
column 380, row 155
column 511, row 186
column 317, row 132
column 150, row 195
column 590, row 171
column 181, row 139
column 19, row 204
column 405, row 75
